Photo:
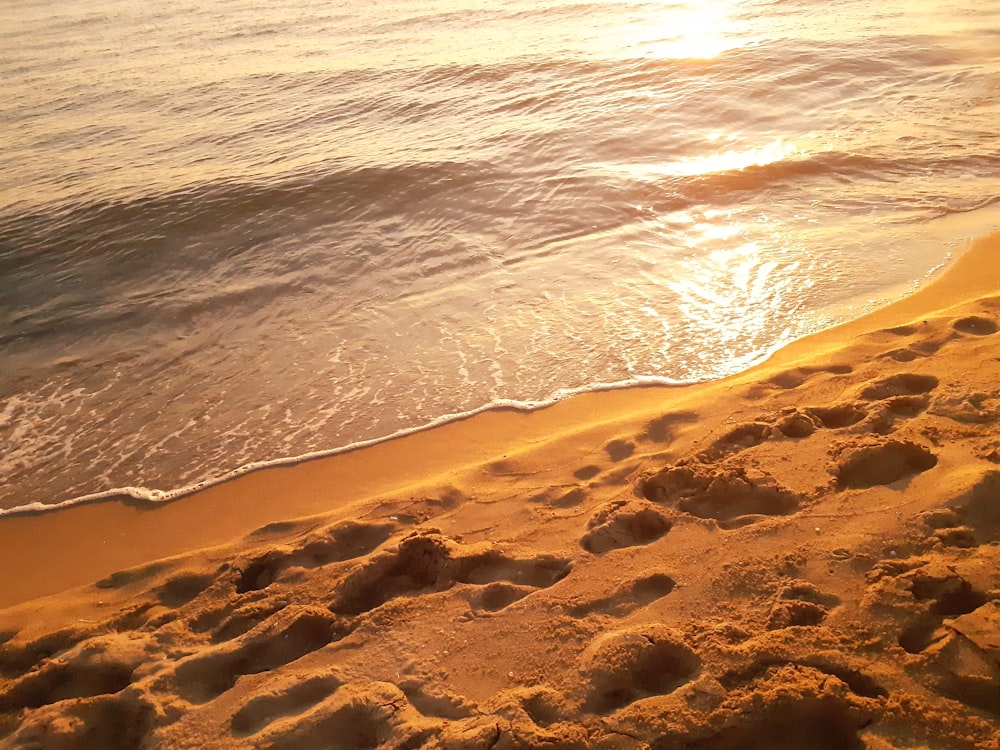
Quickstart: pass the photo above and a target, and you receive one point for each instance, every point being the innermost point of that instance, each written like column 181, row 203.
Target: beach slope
column 806, row 555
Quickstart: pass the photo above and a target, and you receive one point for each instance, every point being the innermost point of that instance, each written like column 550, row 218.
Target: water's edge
column 147, row 497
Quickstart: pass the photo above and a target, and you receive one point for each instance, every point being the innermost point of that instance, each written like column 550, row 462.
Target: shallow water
column 238, row 233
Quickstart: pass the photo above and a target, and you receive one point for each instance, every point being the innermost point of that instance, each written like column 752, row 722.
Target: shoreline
column 809, row 548
column 23, row 537
column 17, row 527
column 943, row 230
column 149, row 498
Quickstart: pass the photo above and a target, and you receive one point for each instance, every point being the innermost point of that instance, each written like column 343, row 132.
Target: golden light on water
column 734, row 285
column 731, row 159
column 734, row 294
column 696, row 30
column 710, row 158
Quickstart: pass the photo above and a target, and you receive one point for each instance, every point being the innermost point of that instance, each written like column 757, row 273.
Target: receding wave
column 665, row 191
column 153, row 496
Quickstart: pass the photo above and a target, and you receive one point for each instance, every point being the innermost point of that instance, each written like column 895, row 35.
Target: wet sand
column 806, row 555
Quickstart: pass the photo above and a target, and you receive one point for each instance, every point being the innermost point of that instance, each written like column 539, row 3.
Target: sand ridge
column 805, row 556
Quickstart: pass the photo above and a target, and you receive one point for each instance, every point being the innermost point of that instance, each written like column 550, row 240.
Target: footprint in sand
column 978, row 407
column 875, row 461
column 291, row 696
column 123, row 578
column 182, row 588
column 945, row 526
column 901, row 384
column 426, row 562
column 627, row 599
column 898, row 396
column 555, row 497
column 436, row 701
column 496, row 596
column 966, row 659
column 903, row 355
column 916, row 349
column 939, row 593
column 543, row 705
column 838, row 416
column 587, row 472
column 102, row 665
column 336, row 544
column 622, row 666
column 975, row 325
column 971, row 519
column 663, row 429
column 18, row 658
column 798, row 376
column 229, row 622
column 354, row 717
column 947, row 623
column 287, row 636
column 76, row 695
column 624, row 523
column 799, row 423
column 979, row 508
column 777, row 704
column 799, row 604
column 110, row 722
column 736, row 439
column 732, row 496
column 619, row 450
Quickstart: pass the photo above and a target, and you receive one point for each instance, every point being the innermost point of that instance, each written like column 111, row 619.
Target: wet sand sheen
column 806, row 550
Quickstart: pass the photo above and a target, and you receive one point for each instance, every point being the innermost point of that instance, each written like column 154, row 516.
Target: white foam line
column 155, row 497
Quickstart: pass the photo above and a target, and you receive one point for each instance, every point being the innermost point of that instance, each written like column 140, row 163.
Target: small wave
column 787, row 63
column 149, row 497
column 103, row 227
column 86, row 259
column 138, row 310
column 724, row 185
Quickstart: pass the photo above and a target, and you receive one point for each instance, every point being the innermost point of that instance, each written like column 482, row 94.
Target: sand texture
column 803, row 556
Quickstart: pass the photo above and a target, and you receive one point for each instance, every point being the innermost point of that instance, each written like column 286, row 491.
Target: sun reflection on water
column 736, row 281
column 715, row 159
column 697, row 29
column 731, row 159
column 734, row 294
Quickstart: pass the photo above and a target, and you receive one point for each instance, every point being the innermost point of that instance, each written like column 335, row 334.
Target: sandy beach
column 805, row 555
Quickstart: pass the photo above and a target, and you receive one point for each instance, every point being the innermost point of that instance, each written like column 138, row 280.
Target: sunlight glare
column 731, row 159
column 696, row 29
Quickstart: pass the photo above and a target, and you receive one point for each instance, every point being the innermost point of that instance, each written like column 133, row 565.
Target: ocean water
column 242, row 232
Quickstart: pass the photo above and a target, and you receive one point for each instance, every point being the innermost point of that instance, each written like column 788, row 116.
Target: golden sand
column 806, row 555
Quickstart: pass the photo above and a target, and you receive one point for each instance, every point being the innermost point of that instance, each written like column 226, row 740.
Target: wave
column 787, row 61
column 657, row 187
column 203, row 226
column 340, row 193
column 146, row 496
column 343, row 193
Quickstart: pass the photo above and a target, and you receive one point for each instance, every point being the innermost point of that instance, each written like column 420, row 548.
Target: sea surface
column 242, row 232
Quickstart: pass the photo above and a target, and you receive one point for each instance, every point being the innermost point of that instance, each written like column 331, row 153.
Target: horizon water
column 244, row 234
